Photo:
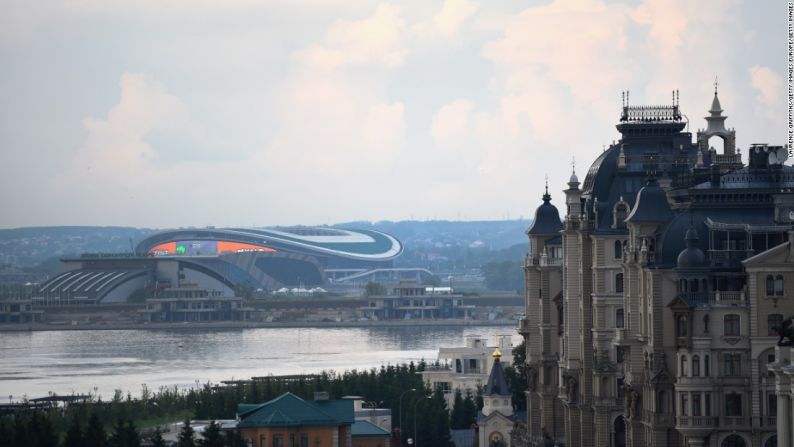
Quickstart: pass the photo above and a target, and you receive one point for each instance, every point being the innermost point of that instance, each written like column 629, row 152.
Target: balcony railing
column 547, row 261
column 735, row 421
column 697, row 421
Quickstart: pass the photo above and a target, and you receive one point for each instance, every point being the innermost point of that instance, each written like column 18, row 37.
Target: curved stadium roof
column 367, row 245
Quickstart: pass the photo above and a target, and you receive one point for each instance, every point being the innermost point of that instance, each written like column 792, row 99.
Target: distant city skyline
column 245, row 113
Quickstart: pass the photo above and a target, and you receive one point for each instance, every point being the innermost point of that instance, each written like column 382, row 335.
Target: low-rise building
column 19, row 311
column 195, row 307
column 466, row 368
column 289, row 420
column 410, row 300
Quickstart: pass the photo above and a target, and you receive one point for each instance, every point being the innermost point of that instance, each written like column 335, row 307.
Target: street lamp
column 401, row 412
column 418, row 401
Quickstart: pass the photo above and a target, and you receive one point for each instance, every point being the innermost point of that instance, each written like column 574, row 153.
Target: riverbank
column 36, row 327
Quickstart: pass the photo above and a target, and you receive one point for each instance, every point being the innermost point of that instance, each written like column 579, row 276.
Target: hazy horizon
column 196, row 113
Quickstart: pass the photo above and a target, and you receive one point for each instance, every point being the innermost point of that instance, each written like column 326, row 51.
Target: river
column 65, row 362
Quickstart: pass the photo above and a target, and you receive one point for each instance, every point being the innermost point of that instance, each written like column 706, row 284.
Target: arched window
column 779, row 285
column 619, row 283
column 683, row 366
column 733, row 441
column 695, row 366
column 618, row 250
column 770, row 285
column 619, row 318
column 619, row 213
column 731, row 326
column 681, row 326
column 773, row 321
column 693, row 285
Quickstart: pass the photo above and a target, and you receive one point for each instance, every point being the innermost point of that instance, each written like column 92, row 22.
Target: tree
column 374, row 289
column 186, row 435
column 74, row 434
column 95, row 432
column 516, row 376
column 125, row 434
column 212, row 436
column 157, row 439
column 469, row 410
column 456, row 416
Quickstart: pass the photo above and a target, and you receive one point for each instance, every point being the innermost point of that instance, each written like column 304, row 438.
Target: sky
column 240, row 112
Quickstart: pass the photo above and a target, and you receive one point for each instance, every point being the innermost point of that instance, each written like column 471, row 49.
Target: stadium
column 214, row 262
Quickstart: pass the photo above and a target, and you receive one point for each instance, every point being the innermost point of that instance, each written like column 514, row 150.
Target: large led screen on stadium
column 197, row 248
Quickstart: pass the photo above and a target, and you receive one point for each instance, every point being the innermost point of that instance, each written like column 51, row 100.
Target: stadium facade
column 216, row 261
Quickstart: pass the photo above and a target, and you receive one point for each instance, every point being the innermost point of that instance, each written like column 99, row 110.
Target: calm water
column 101, row 361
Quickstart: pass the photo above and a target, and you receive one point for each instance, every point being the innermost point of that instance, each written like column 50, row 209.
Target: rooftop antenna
column 573, row 163
column 716, row 84
column 547, row 183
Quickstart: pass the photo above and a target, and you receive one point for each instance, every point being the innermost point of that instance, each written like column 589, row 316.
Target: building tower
column 496, row 420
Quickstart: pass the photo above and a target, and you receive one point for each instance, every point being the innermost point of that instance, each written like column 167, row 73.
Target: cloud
column 452, row 120
column 448, row 23
column 378, row 39
column 115, row 151
column 769, row 87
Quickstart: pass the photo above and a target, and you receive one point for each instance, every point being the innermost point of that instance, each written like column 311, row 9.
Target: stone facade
column 648, row 306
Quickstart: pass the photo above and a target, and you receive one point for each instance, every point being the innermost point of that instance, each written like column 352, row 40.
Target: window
column 731, row 325
column 681, row 326
column 304, row 440
column 696, row 404
column 773, row 321
column 683, row 365
column 684, row 404
column 707, row 404
column 706, row 321
column 472, row 363
column 620, row 353
column 618, row 250
column 444, row 387
column 695, row 366
column 771, row 405
column 779, row 285
column 619, row 283
column 770, row 285
column 278, row 440
column 706, row 366
column 619, row 318
column 733, row 404
column 292, row 440
column 262, row 442
column 620, row 212
column 732, row 365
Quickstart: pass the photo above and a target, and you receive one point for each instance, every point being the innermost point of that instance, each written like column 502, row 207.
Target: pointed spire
column 546, row 195
column 574, row 180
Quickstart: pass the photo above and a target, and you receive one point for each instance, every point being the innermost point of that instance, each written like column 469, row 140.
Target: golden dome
column 497, row 354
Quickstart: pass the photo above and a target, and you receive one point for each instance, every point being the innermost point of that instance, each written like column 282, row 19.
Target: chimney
column 321, row 395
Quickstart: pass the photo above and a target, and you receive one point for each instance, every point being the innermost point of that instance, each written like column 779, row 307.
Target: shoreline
column 43, row 327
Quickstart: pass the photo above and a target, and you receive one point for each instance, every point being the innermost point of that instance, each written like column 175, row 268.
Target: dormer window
column 619, row 214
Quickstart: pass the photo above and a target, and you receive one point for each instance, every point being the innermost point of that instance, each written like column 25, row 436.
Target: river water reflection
column 35, row 363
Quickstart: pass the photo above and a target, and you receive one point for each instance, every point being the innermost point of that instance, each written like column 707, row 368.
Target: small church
column 497, row 417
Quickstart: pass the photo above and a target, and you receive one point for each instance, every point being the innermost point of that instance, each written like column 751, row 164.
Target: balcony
column 523, row 326
column 548, row 261
column 697, row 421
column 735, row 421
column 728, row 258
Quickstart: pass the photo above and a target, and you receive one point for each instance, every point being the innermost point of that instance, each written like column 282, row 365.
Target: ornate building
column 651, row 307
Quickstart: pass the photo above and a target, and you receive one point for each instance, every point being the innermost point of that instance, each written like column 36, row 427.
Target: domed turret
column 691, row 256
column 547, row 217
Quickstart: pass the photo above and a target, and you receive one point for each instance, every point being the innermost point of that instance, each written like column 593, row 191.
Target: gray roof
column 547, row 218
column 497, row 383
column 651, row 205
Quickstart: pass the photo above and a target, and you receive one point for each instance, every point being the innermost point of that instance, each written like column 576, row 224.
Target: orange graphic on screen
column 168, row 248
column 238, row 247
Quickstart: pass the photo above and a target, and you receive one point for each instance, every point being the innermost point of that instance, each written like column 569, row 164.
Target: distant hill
column 438, row 245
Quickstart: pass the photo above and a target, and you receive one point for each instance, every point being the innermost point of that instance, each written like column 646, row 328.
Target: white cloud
column 452, row 120
column 378, row 39
column 769, row 87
